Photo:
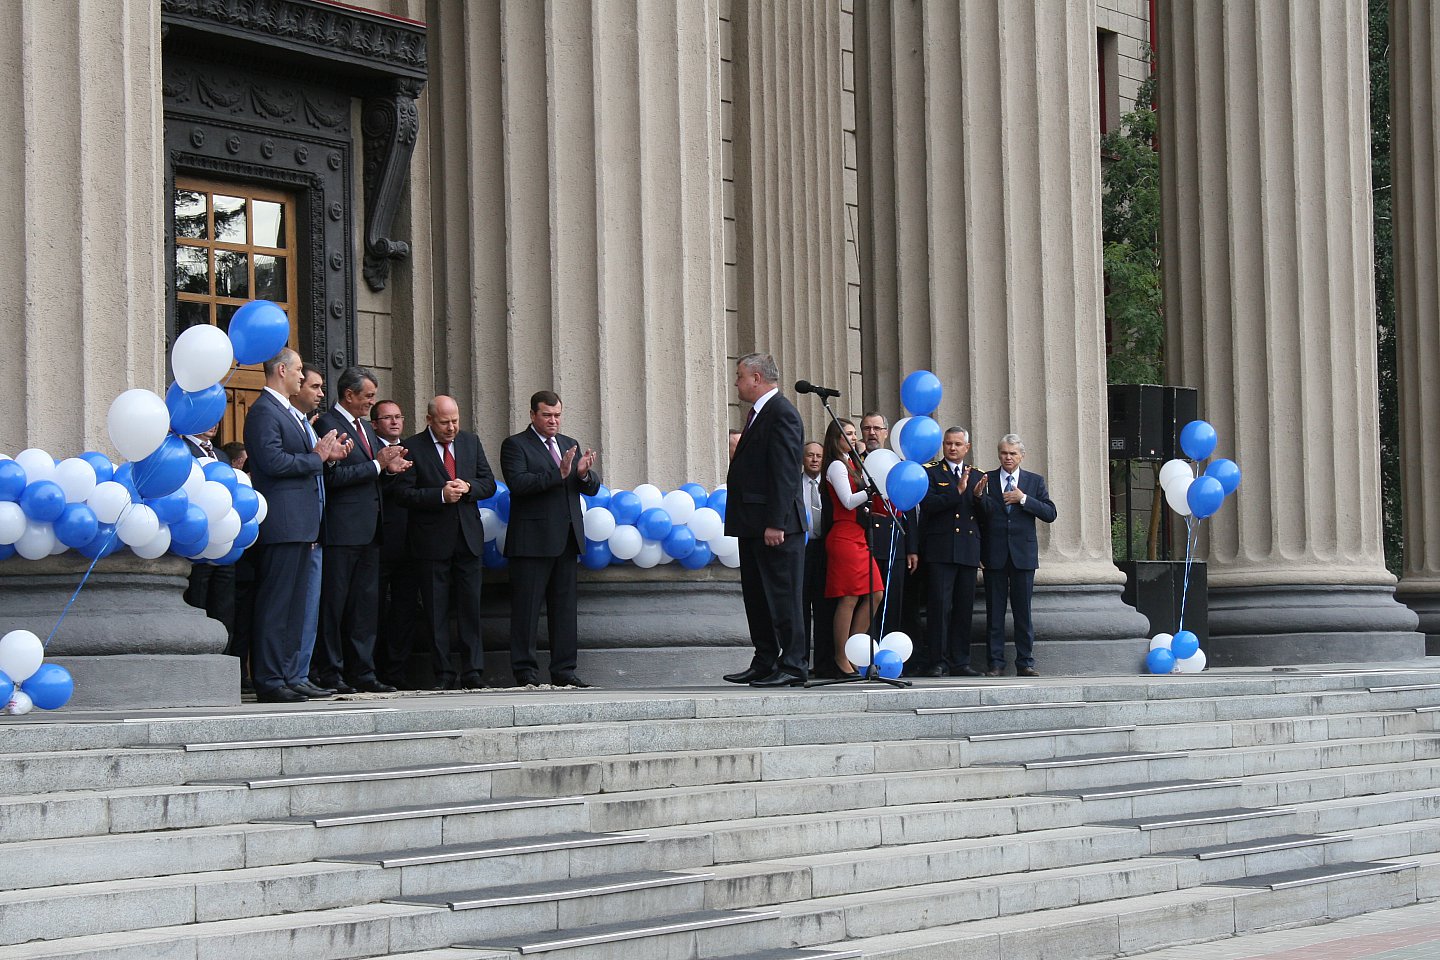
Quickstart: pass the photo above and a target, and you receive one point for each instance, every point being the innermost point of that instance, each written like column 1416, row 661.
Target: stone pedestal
column 130, row 640
column 1270, row 303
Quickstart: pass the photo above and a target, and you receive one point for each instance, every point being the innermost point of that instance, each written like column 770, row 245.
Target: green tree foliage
column 1380, row 178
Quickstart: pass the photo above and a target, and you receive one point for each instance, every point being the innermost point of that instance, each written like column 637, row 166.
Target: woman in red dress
column 851, row 575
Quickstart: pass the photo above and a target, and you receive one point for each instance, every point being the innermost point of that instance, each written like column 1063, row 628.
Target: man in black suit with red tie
column 399, row 615
column 450, row 475
column 344, row 658
column 950, row 545
column 546, row 473
column 765, row 510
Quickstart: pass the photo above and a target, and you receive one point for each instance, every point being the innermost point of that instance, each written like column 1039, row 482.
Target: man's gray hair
column 1013, row 439
column 950, row 430
column 763, row 364
column 353, row 378
column 884, row 420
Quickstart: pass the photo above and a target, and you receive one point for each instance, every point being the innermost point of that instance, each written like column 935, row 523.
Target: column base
column 1424, row 601
column 1305, row 623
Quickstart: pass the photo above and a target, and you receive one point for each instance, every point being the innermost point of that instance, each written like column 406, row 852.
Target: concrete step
column 351, row 789
column 641, row 895
column 677, row 936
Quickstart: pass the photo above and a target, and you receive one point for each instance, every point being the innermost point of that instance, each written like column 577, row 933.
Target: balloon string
column 1192, row 527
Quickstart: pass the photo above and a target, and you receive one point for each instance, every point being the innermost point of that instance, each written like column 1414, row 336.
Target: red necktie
column 364, row 443
column 449, row 462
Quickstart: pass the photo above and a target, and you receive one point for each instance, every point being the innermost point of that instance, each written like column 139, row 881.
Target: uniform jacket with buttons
column 950, row 520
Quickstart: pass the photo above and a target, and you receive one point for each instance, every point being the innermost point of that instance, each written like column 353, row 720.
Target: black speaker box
column 1137, row 423
column 1182, row 404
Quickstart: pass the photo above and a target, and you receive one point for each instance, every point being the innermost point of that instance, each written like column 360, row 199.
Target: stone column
column 1270, row 304
column 1414, row 81
column 80, row 141
column 984, row 251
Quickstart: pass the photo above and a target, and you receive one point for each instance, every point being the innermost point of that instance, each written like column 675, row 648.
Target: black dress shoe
column 308, row 689
column 779, row 679
column 246, row 685
column 749, row 675
column 1026, row 672
column 471, row 681
column 995, row 672
column 341, row 687
column 939, row 670
column 527, row 680
column 280, row 695
column 966, row 671
column 570, row 681
column 374, row 686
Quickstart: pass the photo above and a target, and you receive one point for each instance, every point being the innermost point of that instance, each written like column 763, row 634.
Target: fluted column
column 789, row 189
column 80, row 144
column 1269, row 296
column 1414, row 82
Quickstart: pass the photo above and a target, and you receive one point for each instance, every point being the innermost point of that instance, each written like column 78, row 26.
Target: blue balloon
column 7, row 687
column 258, row 331
column 502, row 501
column 907, row 484
column 171, row 507
column 249, row 533
column 245, row 501
column 697, row 493
column 1227, row 472
column 655, row 524
column 49, row 687
column 920, row 439
column 197, row 411
column 125, row 476
column 76, row 525
column 716, row 501
column 696, row 558
column 7, row 550
column 1198, row 439
column 1184, row 644
column 597, row 555
column 189, row 548
column 625, row 504
column 165, row 470
column 600, row 499
column 1160, row 660
column 195, row 526
column 223, row 474
column 229, row 558
column 492, row 557
column 680, row 543
column 104, row 469
column 921, row 393
column 43, row 500
column 888, row 663
column 1205, row 496
column 12, row 481
column 103, row 543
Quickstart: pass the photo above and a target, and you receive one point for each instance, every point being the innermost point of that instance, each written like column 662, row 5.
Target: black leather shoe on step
column 779, row 679
column 745, row 676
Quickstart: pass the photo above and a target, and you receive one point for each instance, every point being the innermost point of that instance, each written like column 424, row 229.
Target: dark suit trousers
column 819, row 612
column 280, row 593
column 893, row 573
column 951, row 601
column 1014, row 586
column 212, row 589
column 399, row 616
column 555, row 581
column 772, row 581
column 349, row 605
column 443, row 583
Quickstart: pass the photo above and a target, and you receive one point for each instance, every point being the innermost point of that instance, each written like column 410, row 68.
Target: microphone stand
column 871, row 673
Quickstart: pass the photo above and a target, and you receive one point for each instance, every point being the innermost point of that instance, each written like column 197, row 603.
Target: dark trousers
column 553, row 580
column 1015, row 586
column 456, row 581
column 951, row 603
column 212, row 589
column 400, row 615
column 349, row 606
column 819, row 612
column 892, row 571
column 280, row 594
column 772, row 582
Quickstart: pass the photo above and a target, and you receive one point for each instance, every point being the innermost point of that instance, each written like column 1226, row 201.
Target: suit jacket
column 393, row 519
column 197, row 452
column 354, row 505
column 950, row 520
column 544, row 507
column 436, row 526
column 1011, row 536
column 285, row 468
column 764, row 479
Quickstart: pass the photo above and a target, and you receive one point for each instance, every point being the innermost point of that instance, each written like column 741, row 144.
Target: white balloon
column 20, row 702
column 650, row 496
column 76, row 478
column 156, row 547
column 21, row 654
column 879, row 464
column 857, row 650
column 1174, row 469
column 194, row 482
column 489, row 522
column 202, row 355
column 137, row 525
column 731, row 560
column 895, row 432
column 626, row 542
column 1191, row 664
column 650, row 554
column 679, row 505
column 899, row 642
column 38, row 465
column 35, row 543
column 138, row 422
column 725, row 546
column 12, row 522
column 599, row 523
column 263, row 510
column 214, row 551
column 59, row 548
column 242, row 477
column 214, row 498
column 1161, row 641
column 108, row 500
column 1175, row 496
column 227, row 528
column 706, row 524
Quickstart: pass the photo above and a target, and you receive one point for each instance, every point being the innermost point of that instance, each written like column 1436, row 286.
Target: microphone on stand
column 805, row 386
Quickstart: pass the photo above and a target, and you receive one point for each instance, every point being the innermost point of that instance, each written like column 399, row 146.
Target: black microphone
column 805, row 386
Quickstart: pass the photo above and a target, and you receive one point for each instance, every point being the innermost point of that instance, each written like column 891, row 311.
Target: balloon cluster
column 648, row 527
column 26, row 680
column 890, row 653
column 1195, row 499
column 899, row 473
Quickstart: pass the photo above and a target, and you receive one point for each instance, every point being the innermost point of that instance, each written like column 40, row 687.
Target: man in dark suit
column 1011, row 500
column 766, row 512
column 450, row 474
column 546, row 474
column 818, row 610
column 893, row 540
column 399, row 589
column 287, row 462
column 950, row 546
column 350, row 574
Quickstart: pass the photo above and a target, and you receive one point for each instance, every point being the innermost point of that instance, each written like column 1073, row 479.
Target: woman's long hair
column 837, row 447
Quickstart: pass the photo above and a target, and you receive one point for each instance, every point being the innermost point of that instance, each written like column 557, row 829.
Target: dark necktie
column 554, row 450
column 749, row 419
column 364, row 443
column 1009, row 485
column 449, row 461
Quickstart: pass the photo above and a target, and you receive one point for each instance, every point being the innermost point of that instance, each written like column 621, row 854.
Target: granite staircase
column 1075, row 819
